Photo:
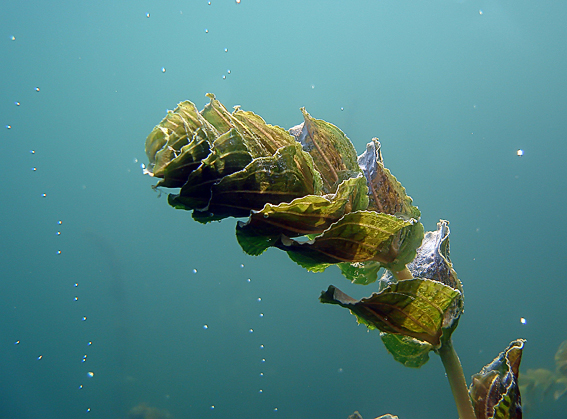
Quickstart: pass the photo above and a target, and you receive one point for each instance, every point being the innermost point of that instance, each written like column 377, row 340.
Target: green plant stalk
column 456, row 379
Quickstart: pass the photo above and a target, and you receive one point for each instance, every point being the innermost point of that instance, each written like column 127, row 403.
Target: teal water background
column 452, row 89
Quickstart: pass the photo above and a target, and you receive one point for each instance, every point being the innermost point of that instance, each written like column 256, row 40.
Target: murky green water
column 100, row 276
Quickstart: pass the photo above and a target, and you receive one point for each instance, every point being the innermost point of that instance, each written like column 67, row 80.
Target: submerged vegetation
column 305, row 191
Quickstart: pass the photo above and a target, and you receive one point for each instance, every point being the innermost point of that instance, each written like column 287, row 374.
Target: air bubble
column 147, row 15
column 17, row 103
column 13, row 38
column 17, row 342
column 342, row 109
column 242, row 265
column 520, row 152
column 205, row 326
column 90, row 374
column 43, row 195
column 76, row 285
column 59, row 252
column 194, row 271
column 237, row 1
column 59, row 222
column 523, row 320
column 259, row 299
column 8, row 126
column 251, row 331
column 84, row 318
column 163, row 69
column 206, row 31
column 76, row 299
column 84, row 358
column 80, row 386
column 261, row 314
column 480, row 12
column 34, row 169
column 58, row 233
column 37, row 89
column 39, row 357
column 223, row 77
column 228, row 71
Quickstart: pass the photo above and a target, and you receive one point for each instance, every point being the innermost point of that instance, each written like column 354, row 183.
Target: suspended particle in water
column 313, row 86
column 17, row 342
column 8, row 126
column 88, row 409
column 84, row 318
column 34, row 169
column 261, row 314
column 259, row 299
column 206, row 31
column 226, row 50
column 209, row 3
column 228, row 71
column 223, row 77
column 261, row 374
column 520, row 152
column 80, row 386
column 248, row 280
column 90, row 374
column 263, row 359
column 76, row 285
column 194, row 271
column 32, row 151
column 275, row 409
column 205, row 326
column 251, row 331
column 523, row 320
column 59, row 222
column 59, row 252
column 260, row 391
column 37, row 89
column 237, row 1
column 43, row 195
column 89, row 343
column 163, row 69
column 76, row 299
column 147, row 15
column 242, row 265
column 17, row 103
column 39, row 357
column 58, row 233
column 13, row 38
column 480, row 12
column 84, row 358
column 261, row 346
column 342, row 109
column 212, row 406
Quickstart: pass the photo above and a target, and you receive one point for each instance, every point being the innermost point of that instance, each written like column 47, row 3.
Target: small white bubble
column 259, row 298
column 59, row 252
column 76, row 285
column 251, row 331
column 17, row 103
column 90, row 374
column 194, row 271
column 84, row 318
column 260, row 391
column 313, row 86
column 59, row 222
column 520, row 152
column 523, row 320
column 163, row 69
column 205, row 326
column 212, row 406
column 76, row 298
column 480, row 12
column 242, row 265
column 237, row 1
column 39, row 357
column 89, row 343
column 261, row 374
column 17, row 342
column 261, row 314
column 37, row 89
column 13, row 38
column 58, row 233
column 223, row 77
column 148, row 15
column 43, row 195
column 226, row 50
column 84, row 358
column 8, row 126
column 34, row 169
column 263, row 359
column 209, row 3
column 261, row 346
column 206, row 31
column 88, row 409
column 80, row 386
column 342, row 109
column 228, row 71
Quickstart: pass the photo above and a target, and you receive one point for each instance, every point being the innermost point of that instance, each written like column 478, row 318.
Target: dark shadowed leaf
column 413, row 307
column 494, row 390
column 311, row 214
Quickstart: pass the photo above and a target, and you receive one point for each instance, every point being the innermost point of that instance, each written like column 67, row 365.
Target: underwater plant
column 305, row 191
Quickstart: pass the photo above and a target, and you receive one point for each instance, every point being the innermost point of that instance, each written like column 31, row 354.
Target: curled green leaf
column 414, row 308
column 494, row 390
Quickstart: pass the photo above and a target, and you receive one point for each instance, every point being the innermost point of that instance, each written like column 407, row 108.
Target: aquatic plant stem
column 456, row 379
